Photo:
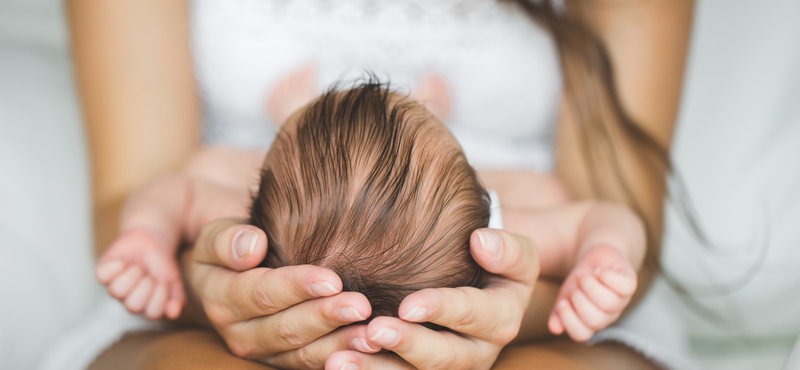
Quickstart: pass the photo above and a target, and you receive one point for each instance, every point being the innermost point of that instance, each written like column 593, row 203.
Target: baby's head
column 370, row 184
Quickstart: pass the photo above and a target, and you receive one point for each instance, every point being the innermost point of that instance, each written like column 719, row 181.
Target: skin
column 132, row 102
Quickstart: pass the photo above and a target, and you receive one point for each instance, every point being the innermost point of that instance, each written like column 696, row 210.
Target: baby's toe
column 622, row 283
column 122, row 284
column 601, row 295
column 140, row 295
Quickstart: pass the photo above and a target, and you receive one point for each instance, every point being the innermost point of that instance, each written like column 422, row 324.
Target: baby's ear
column 290, row 93
column 434, row 93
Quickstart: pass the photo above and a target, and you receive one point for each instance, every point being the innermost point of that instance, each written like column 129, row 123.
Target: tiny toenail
column 349, row 366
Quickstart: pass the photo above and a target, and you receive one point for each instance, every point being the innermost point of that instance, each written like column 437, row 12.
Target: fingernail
column 322, row 289
column 349, row 366
column 386, row 336
column 361, row 345
column 245, row 243
column 490, row 242
column 597, row 271
column 350, row 314
column 562, row 305
column 418, row 313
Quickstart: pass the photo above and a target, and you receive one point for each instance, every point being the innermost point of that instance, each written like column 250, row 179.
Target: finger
column 422, row 347
column 228, row 243
column 298, row 326
column 509, row 255
column 177, row 298
column 352, row 360
column 554, row 323
column 623, row 284
column 140, row 295
column 155, row 308
column 122, row 284
column 570, row 285
column 465, row 310
column 602, row 296
column 573, row 325
column 314, row 354
column 592, row 316
column 259, row 292
column 108, row 270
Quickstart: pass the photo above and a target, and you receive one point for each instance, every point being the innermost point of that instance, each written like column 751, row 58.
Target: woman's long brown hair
column 605, row 129
column 595, row 107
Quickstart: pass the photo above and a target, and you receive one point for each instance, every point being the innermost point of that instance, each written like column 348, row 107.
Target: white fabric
column 793, row 362
column 46, row 279
column 738, row 149
column 653, row 330
column 502, row 68
column 107, row 324
column 495, row 212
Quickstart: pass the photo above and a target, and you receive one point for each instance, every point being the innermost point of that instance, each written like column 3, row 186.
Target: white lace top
column 501, row 67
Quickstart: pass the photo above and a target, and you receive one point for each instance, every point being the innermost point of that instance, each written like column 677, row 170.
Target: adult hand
column 287, row 317
column 483, row 320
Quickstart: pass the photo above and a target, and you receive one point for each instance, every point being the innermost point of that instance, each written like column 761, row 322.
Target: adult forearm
column 134, row 73
column 182, row 349
column 534, row 323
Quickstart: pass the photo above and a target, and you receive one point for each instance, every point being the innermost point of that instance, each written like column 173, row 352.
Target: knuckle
column 465, row 317
column 288, row 334
column 240, row 348
column 264, row 301
column 305, row 358
column 445, row 361
column 217, row 314
column 505, row 334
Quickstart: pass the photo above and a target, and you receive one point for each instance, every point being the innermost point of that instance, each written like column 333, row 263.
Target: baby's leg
column 594, row 293
column 140, row 267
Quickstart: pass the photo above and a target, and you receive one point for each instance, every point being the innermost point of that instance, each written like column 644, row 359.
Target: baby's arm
column 598, row 247
column 139, row 267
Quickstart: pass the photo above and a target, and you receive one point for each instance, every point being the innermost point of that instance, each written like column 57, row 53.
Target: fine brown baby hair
column 368, row 183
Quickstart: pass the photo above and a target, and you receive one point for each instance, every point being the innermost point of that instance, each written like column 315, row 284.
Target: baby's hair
column 364, row 182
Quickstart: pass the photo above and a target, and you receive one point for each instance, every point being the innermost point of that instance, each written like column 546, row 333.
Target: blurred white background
column 737, row 147
column 46, row 281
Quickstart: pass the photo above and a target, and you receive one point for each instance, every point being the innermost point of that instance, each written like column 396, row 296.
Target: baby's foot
column 142, row 272
column 594, row 294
